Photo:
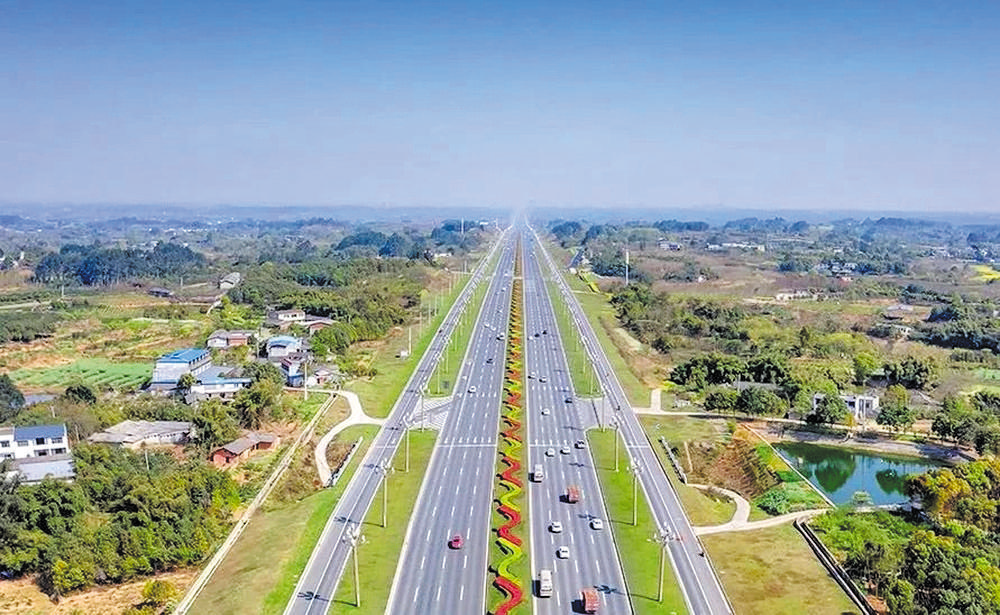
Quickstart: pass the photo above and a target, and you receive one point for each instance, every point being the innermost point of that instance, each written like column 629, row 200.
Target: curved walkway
column 356, row 417
column 741, row 518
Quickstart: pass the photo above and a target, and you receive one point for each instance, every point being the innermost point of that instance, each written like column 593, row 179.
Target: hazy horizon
column 856, row 106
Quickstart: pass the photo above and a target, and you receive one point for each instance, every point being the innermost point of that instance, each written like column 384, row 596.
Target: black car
column 489, row 359
column 569, row 400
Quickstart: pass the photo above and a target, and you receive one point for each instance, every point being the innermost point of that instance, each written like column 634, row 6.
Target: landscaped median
column 639, row 554
column 508, row 559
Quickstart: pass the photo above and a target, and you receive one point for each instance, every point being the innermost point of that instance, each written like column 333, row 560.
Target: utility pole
column 616, row 445
column 406, row 426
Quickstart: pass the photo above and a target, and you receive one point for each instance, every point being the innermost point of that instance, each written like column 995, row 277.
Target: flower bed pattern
column 510, row 479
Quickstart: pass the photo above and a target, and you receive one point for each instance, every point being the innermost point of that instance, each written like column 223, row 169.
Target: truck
column 572, row 494
column 589, row 600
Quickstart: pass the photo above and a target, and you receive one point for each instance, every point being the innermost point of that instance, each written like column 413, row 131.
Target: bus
column 545, row 584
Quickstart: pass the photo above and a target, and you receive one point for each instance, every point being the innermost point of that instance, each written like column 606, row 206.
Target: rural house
column 242, row 448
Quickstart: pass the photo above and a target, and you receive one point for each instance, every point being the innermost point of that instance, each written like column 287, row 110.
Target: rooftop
column 134, row 431
column 239, row 445
column 282, row 340
column 34, row 469
column 184, row 355
column 218, row 374
column 40, row 431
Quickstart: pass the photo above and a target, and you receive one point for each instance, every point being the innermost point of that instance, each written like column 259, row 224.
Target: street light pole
column 635, row 493
column 616, row 446
column 406, row 426
column 661, row 538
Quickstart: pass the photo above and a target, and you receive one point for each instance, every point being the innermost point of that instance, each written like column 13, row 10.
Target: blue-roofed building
column 170, row 367
column 33, row 441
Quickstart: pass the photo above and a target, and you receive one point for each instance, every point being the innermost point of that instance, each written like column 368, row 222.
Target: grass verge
column 638, row 554
column 580, row 368
column 378, row 556
column 260, row 573
column 772, row 571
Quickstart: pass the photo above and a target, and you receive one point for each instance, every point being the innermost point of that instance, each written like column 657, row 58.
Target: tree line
column 92, row 265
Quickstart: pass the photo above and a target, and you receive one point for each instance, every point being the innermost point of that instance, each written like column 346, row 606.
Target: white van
column 537, row 474
column 545, row 584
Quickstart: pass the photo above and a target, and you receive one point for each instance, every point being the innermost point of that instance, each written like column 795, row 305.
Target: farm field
column 99, row 373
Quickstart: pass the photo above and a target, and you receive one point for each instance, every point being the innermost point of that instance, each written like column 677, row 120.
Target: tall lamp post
column 355, row 538
column 661, row 537
column 384, row 469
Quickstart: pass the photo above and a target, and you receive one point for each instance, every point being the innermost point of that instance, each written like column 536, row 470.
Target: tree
column 11, row 399
column 913, row 372
column 757, row 401
column 258, row 371
column 896, row 417
column 865, row 365
column 186, row 381
column 80, row 393
column 214, row 424
column 829, row 409
column 722, row 400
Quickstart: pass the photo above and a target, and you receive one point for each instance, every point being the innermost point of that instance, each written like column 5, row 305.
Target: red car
column 456, row 542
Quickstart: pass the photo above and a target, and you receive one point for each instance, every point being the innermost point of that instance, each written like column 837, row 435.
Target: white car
column 546, row 411
column 472, row 389
column 543, row 379
column 555, row 527
column 564, row 450
column 550, row 452
column 596, row 524
column 562, row 552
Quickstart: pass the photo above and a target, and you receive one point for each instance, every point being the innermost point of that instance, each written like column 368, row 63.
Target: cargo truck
column 589, row 600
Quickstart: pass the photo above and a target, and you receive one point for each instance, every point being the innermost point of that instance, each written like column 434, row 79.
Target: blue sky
column 808, row 105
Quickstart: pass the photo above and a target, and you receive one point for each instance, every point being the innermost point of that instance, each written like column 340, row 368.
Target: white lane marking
column 444, row 562
column 461, row 594
column 438, row 597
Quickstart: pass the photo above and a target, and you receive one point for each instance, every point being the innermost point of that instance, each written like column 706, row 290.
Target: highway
column 318, row 582
column 701, row 588
column 593, row 559
column 456, row 497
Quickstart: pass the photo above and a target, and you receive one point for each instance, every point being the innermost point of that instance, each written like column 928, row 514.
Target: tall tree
column 11, row 399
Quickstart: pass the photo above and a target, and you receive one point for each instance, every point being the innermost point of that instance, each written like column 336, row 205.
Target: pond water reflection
column 840, row 472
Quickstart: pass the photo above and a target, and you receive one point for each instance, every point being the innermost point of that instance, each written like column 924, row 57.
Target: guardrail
column 343, row 464
column 673, row 459
column 830, row 563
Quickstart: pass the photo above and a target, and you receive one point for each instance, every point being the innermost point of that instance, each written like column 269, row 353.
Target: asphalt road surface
column 318, row 582
column 701, row 588
column 554, row 428
column 456, row 497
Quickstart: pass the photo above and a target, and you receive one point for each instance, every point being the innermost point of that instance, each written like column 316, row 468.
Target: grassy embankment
column 703, row 508
column 639, row 555
column 378, row 394
column 378, row 556
column 580, row 368
column 286, row 530
column 772, row 571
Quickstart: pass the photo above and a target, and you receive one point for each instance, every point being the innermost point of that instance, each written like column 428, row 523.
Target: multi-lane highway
column 318, row 582
column 701, row 588
column 556, row 422
column 456, row 497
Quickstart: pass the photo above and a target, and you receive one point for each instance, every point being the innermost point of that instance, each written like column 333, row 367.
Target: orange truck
column 590, row 600
column 572, row 494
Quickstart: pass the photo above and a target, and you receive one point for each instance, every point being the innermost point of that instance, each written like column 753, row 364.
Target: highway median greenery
column 581, row 370
column 381, row 549
column 508, row 556
column 639, row 554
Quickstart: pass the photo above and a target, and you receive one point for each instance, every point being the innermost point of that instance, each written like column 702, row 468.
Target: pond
column 840, row 472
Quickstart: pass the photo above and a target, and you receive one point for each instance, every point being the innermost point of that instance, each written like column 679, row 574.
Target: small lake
column 840, row 472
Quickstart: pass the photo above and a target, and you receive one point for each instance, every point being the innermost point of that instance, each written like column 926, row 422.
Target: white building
column 170, row 367
column 861, row 406
column 215, row 382
column 34, row 441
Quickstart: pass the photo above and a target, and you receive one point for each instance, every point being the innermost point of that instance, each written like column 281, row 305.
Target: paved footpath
column 356, row 417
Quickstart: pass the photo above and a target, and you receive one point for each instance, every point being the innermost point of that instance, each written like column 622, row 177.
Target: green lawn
column 442, row 381
column 772, row 571
column 580, row 368
column 260, row 572
column 639, row 555
column 99, row 373
column 378, row 556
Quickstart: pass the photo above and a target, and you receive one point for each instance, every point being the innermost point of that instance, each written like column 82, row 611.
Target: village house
column 37, row 452
column 242, row 448
column 281, row 346
column 861, row 406
column 170, row 367
column 229, row 339
column 229, row 281
column 137, row 434
column 283, row 319
column 216, row 382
